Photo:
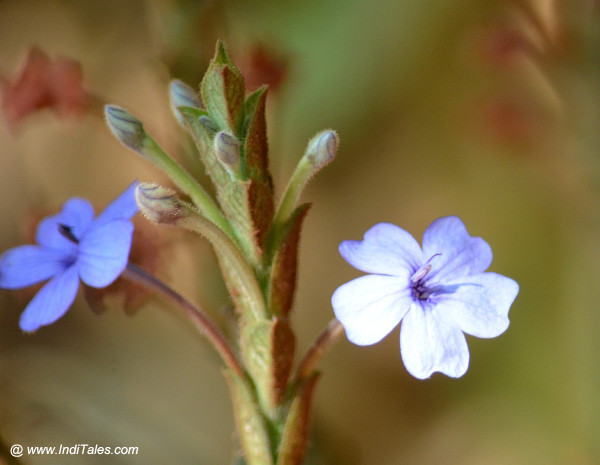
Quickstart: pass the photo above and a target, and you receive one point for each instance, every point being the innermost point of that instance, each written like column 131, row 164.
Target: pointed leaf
column 256, row 136
column 294, row 441
column 268, row 348
column 250, row 224
column 223, row 91
column 282, row 282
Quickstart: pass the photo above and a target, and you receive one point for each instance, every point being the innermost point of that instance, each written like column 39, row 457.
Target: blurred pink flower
column 44, row 83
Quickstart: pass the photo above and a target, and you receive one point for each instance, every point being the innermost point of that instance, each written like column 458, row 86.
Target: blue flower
column 70, row 245
column 439, row 291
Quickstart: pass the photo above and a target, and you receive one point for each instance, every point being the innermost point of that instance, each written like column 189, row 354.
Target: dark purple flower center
column 67, row 232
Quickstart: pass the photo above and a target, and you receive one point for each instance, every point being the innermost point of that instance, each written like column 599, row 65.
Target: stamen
column 420, row 273
column 424, row 270
column 67, row 232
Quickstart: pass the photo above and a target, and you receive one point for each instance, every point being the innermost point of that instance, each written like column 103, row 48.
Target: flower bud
column 322, row 148
column 208, row 124
column 125, row 127
column 227, row 150
column 182, row 95
column 158, row 204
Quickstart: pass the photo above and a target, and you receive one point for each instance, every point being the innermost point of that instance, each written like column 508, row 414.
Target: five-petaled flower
column 439, row 291
column 70, row 245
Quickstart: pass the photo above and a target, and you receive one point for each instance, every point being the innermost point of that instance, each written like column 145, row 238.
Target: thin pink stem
column 201, row 321
column 319, row 347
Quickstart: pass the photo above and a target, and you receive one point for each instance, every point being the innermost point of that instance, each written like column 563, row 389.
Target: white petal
column 385, row 249
column 460, row 254
column 429, row 344
column 52, row 300
column 371, row 306
column 479, row 306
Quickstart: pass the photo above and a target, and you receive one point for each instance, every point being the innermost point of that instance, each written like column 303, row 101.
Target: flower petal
column 480, row 304
column 30, row 264
column 77, row 214
column 460, row 254
column 371, row 306
column 104, row 251
column 385, row 249
column 52, row 301
column 429, row 344
column 123, row 207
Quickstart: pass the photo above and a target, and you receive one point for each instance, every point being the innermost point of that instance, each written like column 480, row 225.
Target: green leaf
column 223, row 91
column 262, row 203
column 282, row 279
column 256, row 146
column 268, row 348
column 295, row 436
column 237, row 199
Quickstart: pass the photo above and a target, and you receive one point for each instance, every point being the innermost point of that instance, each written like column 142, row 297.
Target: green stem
column 130, row 131
column 186, row 183
column 321, row 150
column 140, row 276
column 161, row 205
column 235, row 264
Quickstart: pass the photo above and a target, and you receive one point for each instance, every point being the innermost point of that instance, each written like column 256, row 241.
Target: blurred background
column 485, row 110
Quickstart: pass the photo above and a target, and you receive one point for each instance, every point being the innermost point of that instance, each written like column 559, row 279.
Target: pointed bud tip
column 158, row 204
column 221, row 56
column 124, row 126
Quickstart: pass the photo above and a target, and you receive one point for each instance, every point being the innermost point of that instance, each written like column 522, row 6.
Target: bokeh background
column 486, row 110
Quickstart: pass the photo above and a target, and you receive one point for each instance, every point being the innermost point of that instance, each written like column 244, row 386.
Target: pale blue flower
column 70, row 245
column 439, row 291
